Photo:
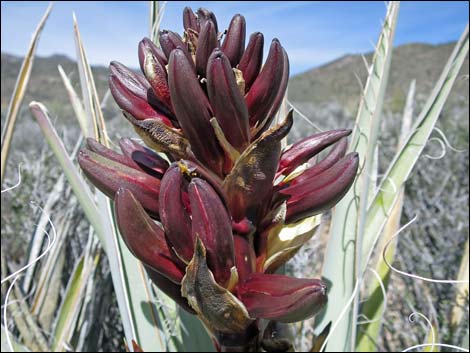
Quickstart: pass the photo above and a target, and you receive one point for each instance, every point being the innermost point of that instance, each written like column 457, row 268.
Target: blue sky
column 313, row 33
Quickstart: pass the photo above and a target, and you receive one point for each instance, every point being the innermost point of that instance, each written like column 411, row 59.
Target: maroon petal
column 336, row 153
column 206, row 43
column 190, row 20
column 144, row 238
column 234, row 42
column 193, row 169
column 282, row 298
column 264, row 124
column 169, row 41
column 205, row 15
column 245, row 258
column 143, row 158
column 108, row 153
column 252, row 59
column 154, row 71
column 146, row 45
column 131, row 92
column 108, row 176
column 211, row 223
column 193, row 111
column 243, row 227
column 227, row 102
column 173, row 214
column 262, row 94
column 158, row 52
column 302, row 151
column 321, row 192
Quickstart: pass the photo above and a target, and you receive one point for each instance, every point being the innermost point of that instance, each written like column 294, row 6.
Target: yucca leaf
column 432, row 337
column 342, row 260
column 154, row 21
column 18, row 93
column 465, row 340
column 17, row 347
column 404, row 161
column 75, row 101
column 96, row 127
column 80, row 188
column 462, row 291
column 37, row 239
column 71, row 303
column 372, row 309
column 32, row 334
column 194, row 337
column 51, row 267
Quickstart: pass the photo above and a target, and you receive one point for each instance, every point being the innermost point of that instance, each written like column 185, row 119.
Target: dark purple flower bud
column 169, row 41
column 134, row 94
column 174, row 215
column 193, row 111
column 144, row 238
column 234, row 42
column 267, row 86
column 321, row 192
column 300, row 152
column 189, row 20
column 143, row 158
column 282, row 298
column 108, row 176
column 206, row 43
column 252, row 59
column 155, row 71
column 211, row 223
column 227, row 102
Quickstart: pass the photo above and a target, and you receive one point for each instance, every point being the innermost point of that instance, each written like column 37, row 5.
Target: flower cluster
column 207, row 103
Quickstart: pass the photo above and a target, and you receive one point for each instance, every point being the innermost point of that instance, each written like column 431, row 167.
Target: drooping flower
column 207, row 103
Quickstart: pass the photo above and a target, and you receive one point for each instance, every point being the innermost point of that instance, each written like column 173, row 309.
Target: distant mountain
column 338, row 82
column 45, row 84
column 333, row 88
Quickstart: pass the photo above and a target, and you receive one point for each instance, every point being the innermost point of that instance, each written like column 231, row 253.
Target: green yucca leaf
column 19, row 91
column 17, row 347
column 432, row 337
column 349, row 215
column 71, row 304
column 404, row 161
column 462, row 291
column 154, row 21
column 96, row 125
column 37, row 239
column 80, row 188
column 372, row 309
column 75, row 102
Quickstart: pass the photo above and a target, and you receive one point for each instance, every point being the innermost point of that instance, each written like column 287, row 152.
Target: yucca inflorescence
column 208, row 103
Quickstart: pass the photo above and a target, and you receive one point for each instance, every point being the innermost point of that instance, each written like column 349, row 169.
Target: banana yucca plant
column 226, row 188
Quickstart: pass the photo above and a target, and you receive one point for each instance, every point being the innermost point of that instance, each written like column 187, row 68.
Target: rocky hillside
column 45, row 84
column 338, row 82
column 328, row 95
